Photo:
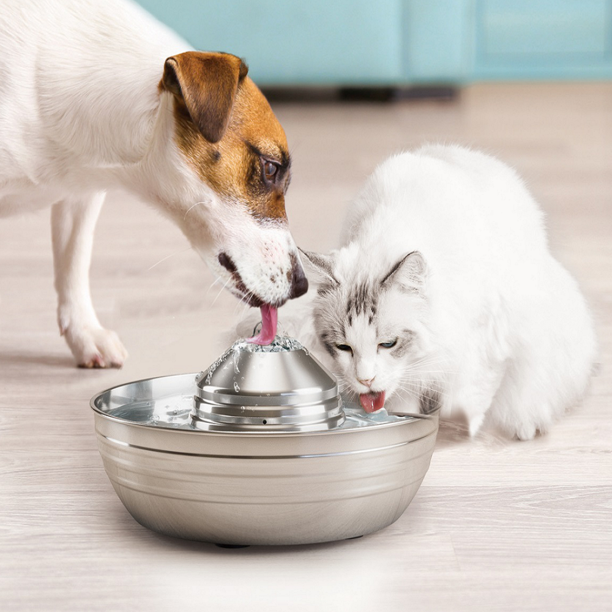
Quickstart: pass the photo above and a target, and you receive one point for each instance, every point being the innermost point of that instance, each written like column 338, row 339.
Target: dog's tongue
column 269, row 319
column 371, row 402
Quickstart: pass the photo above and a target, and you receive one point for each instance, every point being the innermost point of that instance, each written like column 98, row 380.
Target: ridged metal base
column 207, row 416
column 267, row 390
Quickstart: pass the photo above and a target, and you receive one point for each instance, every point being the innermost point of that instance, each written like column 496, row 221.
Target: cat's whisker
column 415, row 390
column 410, row 394
column 424, row 385
column 421, row 372
column 425, row 364
column 421, row 380
column 348, row 390
column 401, row 393
column 423, row 390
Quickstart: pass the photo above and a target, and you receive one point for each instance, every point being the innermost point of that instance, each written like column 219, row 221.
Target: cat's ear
column 321, row 266
column 410, row 273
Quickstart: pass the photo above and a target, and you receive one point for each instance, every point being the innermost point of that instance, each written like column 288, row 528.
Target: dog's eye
column 388, row 345
column 270, row 171
column 344, row 347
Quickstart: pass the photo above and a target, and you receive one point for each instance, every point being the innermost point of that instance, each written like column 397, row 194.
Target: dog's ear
column 206, row 83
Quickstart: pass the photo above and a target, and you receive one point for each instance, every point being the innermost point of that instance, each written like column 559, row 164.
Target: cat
column 444, row 294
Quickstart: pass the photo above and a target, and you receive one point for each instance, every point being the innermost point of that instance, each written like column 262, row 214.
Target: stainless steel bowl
column 296, row 466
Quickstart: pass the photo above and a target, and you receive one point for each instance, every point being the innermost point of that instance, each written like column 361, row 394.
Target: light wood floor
column 497, row 525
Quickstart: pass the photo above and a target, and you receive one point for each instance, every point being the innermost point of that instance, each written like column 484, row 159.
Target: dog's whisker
column 217, row 279
column 227, row 282
column 191, row 208
column 169, row 256
column 243, row 306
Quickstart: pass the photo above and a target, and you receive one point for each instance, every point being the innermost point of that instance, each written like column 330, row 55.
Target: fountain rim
column 247, row 434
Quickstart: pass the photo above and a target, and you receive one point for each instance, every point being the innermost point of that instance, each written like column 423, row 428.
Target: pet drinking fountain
column 260, row 448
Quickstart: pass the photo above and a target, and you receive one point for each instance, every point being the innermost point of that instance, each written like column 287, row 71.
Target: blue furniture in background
column 400, row 42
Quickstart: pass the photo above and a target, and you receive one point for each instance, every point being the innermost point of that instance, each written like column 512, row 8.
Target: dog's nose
column 299, row 282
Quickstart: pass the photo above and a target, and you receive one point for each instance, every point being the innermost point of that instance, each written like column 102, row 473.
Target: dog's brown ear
column 207, row 84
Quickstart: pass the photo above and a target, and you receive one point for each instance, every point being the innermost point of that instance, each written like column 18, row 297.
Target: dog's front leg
column 73, row 223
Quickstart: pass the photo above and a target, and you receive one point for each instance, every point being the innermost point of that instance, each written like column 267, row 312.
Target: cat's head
column 372, row 319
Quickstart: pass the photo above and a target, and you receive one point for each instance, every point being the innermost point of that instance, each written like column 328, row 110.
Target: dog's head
column 238, row 164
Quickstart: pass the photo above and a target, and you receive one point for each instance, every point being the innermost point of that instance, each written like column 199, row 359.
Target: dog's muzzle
column 298, row 286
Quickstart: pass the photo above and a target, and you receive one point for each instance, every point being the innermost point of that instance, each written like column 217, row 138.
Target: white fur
column 501, row 328
column 80, row 112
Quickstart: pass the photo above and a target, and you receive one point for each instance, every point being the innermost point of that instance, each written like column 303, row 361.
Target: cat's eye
column 344, row 347
column 388, row 345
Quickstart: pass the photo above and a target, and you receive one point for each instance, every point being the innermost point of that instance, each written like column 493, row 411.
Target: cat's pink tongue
column 269, row 319
column 371, row 402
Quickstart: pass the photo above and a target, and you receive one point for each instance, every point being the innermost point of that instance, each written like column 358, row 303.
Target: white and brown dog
column 97, row 95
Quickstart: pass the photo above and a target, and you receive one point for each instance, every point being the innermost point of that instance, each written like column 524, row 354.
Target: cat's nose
column 367, row 382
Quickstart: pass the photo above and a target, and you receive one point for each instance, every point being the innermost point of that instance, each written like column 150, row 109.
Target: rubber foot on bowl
column 232, row 545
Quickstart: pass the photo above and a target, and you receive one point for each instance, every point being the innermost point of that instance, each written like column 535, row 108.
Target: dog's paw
column 96, row 347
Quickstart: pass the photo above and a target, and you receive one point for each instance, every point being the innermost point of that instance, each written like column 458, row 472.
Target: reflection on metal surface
column 280, row 387
column 297, row 465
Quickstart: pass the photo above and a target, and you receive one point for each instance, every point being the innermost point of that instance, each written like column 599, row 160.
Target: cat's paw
column 526, row 432
column 475, row 423
column 95, row 347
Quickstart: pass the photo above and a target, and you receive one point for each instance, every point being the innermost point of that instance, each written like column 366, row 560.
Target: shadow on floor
column 255, row 550
column 452, row 433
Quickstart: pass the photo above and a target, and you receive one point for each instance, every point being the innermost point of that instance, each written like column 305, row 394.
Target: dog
column 99, row 95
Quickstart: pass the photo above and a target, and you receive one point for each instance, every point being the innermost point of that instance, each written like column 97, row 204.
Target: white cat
column 445, row 293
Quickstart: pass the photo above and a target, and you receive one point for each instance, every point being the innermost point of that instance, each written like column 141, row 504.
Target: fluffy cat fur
column 445, row 260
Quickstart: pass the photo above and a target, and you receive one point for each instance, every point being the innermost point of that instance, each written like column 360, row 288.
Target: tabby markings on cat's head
column 362, row 301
